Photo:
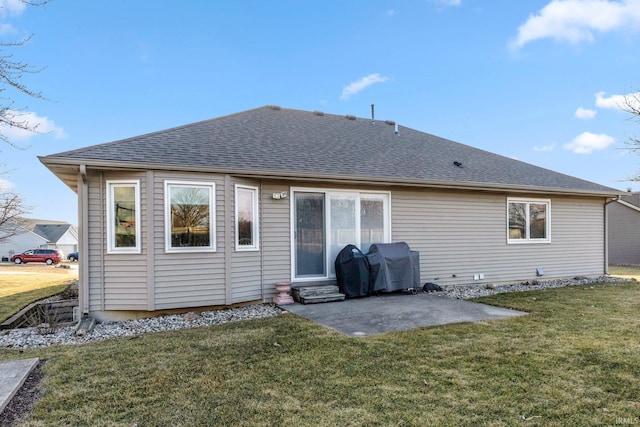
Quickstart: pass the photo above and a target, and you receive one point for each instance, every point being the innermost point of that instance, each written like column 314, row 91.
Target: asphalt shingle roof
column 284, row 142
column 51, row 232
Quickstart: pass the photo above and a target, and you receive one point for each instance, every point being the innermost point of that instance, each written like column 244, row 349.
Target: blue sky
column 539, row 81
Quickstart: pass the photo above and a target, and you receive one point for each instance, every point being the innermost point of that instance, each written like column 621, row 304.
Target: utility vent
column 318, row 113
column 390, row 122
column 275, row 107
column 350, row 117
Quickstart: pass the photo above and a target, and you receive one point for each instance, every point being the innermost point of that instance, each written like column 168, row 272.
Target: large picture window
column 190, row 213
column 246, row 218
column 528, row 220
column 123, row 216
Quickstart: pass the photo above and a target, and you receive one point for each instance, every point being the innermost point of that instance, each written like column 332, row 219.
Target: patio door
column 309, row 235
column 325, row 221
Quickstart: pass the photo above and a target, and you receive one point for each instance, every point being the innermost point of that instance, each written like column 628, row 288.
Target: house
column 39, row 233
column 623, row 221
column 216, row 212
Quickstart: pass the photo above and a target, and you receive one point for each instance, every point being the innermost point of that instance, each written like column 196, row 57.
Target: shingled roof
column 277, row 142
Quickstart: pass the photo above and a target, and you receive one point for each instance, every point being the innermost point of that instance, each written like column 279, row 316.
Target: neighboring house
column 38, row 233
column 216, row 212
column 623, row 220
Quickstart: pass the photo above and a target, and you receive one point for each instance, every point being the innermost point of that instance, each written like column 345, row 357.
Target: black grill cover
column 352, row 272
column 393, row 267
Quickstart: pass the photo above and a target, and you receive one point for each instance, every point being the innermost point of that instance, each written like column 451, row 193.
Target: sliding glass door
column 325, row 221
column 309, row 234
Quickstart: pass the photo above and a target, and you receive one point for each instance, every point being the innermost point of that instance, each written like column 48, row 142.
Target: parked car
column 73, row 256
column 49, row 256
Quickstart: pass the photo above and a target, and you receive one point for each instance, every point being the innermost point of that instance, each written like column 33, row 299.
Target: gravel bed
column 34, row 337
column 475, row 291
column 24, row 338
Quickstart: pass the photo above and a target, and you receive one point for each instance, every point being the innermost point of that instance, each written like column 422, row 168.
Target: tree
column 12, row 211
column 12, row 72
column 631, row 105
column 12, row 207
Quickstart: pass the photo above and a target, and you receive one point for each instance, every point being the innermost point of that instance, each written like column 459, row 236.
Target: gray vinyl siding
column 276, row 237
column 189, row 279
column 462, row 234
column 624, row 234
column 458, row 234
column 116, row 281
column 246, row 265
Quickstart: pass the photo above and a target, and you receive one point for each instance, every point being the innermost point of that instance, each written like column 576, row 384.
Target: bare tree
column 12, row 72
column 631, row 105
column 12, row 211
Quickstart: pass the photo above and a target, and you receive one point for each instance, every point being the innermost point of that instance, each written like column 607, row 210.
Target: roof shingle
column 287, row 142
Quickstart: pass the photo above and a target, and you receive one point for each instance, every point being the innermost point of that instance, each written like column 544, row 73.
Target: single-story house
column 216, row 212
column 623, row 219
column 39, row 233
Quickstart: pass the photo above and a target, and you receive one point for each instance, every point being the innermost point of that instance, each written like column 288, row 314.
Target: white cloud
column 585, row 113
column 588, row 142
column 355, row 87
column 577, row 20
column 618, row 102
column 12, row 7
column 613, row 101
column 454, row 3
column 6, row 186
column 44, row 125
column 545, row 148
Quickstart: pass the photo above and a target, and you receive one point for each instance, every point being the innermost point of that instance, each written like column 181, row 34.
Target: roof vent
column 458, row 164
column 373, row 115
column 275, row 107
column 350, row 117
column 318, row 113
column 390, row 122
column 397, row 129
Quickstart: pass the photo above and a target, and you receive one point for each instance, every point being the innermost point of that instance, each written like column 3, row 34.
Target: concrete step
column 322, row 298
column 316, row 293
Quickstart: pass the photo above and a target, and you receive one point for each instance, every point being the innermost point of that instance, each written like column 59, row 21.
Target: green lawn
column 20, row 286
column 574, row 360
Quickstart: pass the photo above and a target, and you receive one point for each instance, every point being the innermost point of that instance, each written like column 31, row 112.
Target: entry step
column 316, row 294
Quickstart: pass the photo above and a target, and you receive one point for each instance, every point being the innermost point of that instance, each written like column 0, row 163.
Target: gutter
column 50, row 162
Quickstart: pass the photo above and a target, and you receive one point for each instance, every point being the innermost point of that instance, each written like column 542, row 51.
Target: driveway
column 396, row 312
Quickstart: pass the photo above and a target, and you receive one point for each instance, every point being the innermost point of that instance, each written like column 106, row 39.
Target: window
column 246, row 218
column 528, row 220
column 190, row 213
column 123, row 216
column 325, row 221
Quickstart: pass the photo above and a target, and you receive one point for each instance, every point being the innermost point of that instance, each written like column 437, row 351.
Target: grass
column 574, row 360
column 21, row 285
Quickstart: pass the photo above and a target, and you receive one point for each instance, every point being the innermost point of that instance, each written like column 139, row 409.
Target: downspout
column 261, row 240
column 83, row 242
column 606, row 233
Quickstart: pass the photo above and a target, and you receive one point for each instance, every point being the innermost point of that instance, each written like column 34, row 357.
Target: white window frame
column 256, row 226
column 211, row 187
column 529, row 201
column 111, row 238
column 385, row 196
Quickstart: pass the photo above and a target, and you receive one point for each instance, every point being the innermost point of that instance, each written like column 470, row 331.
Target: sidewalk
column 12, row 375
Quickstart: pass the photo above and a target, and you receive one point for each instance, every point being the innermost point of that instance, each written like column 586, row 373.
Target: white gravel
column 475, row 291
column 33, row 337
column 24, row 338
